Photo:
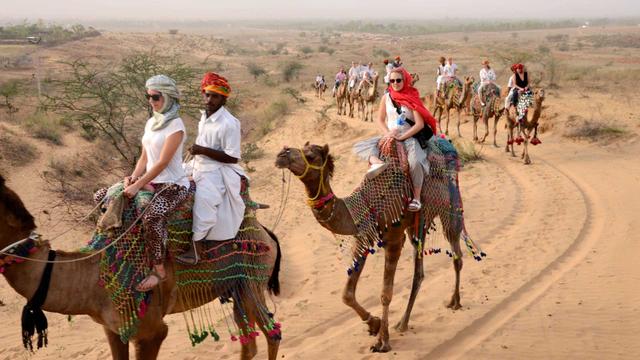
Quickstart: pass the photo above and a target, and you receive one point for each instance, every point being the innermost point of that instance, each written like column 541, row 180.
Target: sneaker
column 375, row 170
column 414, row 205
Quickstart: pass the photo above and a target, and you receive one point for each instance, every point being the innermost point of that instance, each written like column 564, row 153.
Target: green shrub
column 255, row 70
column 43, row 127
column 291, row 70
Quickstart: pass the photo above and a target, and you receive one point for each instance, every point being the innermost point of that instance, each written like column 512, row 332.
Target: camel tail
column 273, row 286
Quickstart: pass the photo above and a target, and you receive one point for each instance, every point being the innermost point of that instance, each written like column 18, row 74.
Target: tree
column 8, row 91
column 255, row 70
column 107, row 101
column 291, row 70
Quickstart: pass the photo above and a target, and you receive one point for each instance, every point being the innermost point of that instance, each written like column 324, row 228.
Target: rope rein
column 35, row 236
column 321, row 185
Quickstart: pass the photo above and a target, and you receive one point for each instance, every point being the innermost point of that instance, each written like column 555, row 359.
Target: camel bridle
column 313, row 201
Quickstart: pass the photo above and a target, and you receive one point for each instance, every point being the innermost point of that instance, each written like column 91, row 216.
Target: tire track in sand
column 469, row 337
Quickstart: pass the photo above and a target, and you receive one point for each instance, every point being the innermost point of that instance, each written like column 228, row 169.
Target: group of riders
column 215, row 176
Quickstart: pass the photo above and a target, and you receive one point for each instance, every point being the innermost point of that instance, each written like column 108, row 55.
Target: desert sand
column 560, row 280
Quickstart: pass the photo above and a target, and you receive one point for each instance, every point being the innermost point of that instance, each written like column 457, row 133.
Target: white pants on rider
column 218, row 208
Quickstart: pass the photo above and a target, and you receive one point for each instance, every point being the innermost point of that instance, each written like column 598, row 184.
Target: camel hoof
column 401, row 326
column 454, row 305
column 380, row 348
column 374, row 325
column 527, row 161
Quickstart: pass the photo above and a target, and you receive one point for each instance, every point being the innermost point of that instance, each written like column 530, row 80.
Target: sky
column 179, row 10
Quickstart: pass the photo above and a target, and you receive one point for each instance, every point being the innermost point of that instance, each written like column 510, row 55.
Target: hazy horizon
column 239, row 10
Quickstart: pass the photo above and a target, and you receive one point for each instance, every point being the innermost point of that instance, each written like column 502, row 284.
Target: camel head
column 468, row 80
column 307, row 163
column 539, row 95
column 17, row 222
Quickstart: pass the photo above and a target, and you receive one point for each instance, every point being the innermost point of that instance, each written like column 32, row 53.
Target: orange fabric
column 215, row 83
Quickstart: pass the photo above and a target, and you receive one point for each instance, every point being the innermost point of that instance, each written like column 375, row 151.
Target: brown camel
column 452, row 98
column 314, row 166
column 353, row 96
column 368, row 95
column 320, row 89
column 415, row 77
column 74, row 288
column 342, row 98
column 493, row 108
column 525, row 127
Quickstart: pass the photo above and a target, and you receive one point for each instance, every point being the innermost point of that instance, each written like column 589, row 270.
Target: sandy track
column 554, row 232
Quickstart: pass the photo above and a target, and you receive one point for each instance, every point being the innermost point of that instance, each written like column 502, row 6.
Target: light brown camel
column 353, row 96
column 452, row 98
column 524, row 127
column 314, row 166
column 342, row 98
column 368, row 96
column 493, row 108
column 415, row 77
column 320, row 89
column 74, row 287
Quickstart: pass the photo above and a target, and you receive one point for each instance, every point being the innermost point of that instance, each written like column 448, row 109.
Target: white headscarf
column 169, row 111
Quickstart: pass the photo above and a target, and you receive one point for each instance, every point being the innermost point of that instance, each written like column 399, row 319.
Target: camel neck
column 72, row 286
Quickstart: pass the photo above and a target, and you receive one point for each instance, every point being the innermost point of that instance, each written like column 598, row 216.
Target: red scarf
column 410, row 97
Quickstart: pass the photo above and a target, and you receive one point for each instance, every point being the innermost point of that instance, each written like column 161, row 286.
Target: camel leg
column 418, row 276
column 149, row 347
column 459, row 133
column 525, row 151
column 485, row 120
column 349, row 298
column 446, row 131
column 119, row 351
column 495, row 130
column 475, row 128
column 454, row 240
column 273, row 342
column 391, row 256
column 250, row 348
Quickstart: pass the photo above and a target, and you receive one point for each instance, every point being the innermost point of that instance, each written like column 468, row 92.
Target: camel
column 320, row 89
column 74, row 286
column 342, row 98
column 525, row 127
column 368, row 96
column 452, row 99
column 353, row 97
column 493, row 108
column 415, row 77
column 314, row 166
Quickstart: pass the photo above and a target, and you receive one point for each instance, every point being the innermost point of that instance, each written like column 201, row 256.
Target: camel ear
column 325, row 149
column 12, row 221
column 306, row 144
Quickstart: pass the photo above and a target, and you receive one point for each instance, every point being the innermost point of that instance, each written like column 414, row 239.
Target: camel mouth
column 282, row 160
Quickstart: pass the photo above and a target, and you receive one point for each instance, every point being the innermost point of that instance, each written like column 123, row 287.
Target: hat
column 485, row 62
column 397, row 58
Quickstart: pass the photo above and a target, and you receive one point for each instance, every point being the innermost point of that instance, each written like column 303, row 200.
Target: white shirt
column 353, row 71
column 153, row 142
column 487, row 76
column 512, row 81
column 395, row 120
column 220, row 131
column 450, row 70
column 440, row 70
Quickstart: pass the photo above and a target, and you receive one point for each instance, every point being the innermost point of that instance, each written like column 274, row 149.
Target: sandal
column 375, row 170
column 152, row 275
column 414, row 205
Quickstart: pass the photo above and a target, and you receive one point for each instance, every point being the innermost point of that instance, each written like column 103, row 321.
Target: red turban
column 215, row 83
column 410, row 97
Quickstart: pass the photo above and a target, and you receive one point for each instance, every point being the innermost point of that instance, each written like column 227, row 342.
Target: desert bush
column 306, row 49
column 326, row 49
column 614, row 40
column 255, row 70
column 8, row 92
column 380, row 53
column 14, row 150
column 467, row 151
column 44, row 127
column 592, row 130
column 251, row 152
column 556, row 38
column 295, row 95
column 291, row 70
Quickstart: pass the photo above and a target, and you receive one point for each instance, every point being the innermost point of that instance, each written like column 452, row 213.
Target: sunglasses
column 398, row 81
column 154, row 97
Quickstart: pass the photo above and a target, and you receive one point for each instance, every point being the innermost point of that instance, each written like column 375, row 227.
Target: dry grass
column 14, row 151
column 467, row 151
column 44, row 127
column 593, row 130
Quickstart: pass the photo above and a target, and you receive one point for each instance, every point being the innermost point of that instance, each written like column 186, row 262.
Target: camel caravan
column 181, row 236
